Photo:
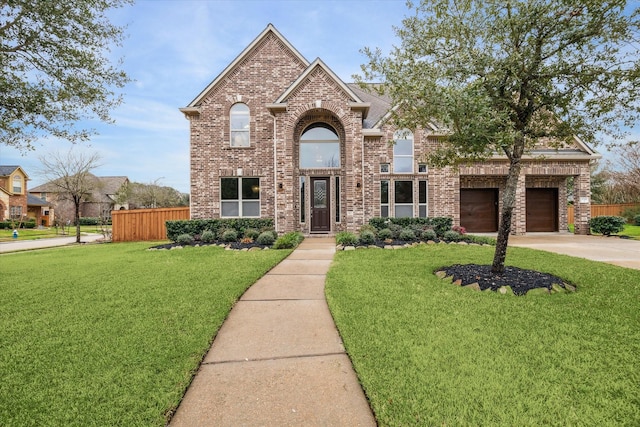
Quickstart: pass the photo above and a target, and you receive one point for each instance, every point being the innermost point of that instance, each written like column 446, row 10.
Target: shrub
column 229, row 236
column 459, row 229
column 441, row 225
column 451, row 236
column 636, row 220
column 208, row 236
column 367, row 237
column 407, row 234
column 346, row 238
column 368, row 227
column 266, row 238
column 385, row 234
column 88, row 221
column 607, row 225
column 395, row 230
column 184, row 239
column 482, row 240
column 428, row 235
column 198, row 226
column 631, row 213
column 251, row 233
column 288, row 240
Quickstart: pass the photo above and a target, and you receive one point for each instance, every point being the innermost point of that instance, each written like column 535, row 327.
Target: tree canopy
column 56, row 68
column 498, row 75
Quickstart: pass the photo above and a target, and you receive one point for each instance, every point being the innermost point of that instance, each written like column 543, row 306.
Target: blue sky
column 175, row 48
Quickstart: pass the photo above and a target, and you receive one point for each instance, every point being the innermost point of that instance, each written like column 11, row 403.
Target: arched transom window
column 319, row 147
column 239, row 125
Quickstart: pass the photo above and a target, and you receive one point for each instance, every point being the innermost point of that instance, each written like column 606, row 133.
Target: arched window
column 239, row 125
column 403, row 151
column 319, row 147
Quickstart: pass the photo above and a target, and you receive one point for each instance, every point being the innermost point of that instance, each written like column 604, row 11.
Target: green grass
column 429, row 353
column 111, row 334
column 44, row 233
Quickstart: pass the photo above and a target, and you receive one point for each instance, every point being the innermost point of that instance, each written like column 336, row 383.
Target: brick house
column 277, row 136
column 15, row 201
column 97, row 203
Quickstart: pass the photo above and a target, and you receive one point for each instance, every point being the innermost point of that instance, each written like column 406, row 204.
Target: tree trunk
column 77, row 203
column 508, row 204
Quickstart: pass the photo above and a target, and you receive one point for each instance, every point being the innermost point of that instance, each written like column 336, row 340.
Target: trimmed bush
column 451, row 236
column 251, row 233
column 441, row 225
column 407, row 234
column 229, row 236
column 288, row 240
column 367, row 237
column 607, row 225
column 631, row 213
column 184, row 239
column 636, row 220
column 346, row 238
column 395, row 230
column 266, row 238
column 385, row 234
column 89, row 221
column 198, row 226
column 208, row 236
column 428, row 235
column 368, row 227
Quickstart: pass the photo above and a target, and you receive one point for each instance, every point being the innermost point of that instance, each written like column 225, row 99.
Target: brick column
column 582, row 200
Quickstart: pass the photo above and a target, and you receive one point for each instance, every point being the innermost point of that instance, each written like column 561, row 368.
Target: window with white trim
column 239, row 122
column 17, row 184
column 240, row 197
column 403, row 199
column 384, row 199
column 403, row 151
column 422, row 199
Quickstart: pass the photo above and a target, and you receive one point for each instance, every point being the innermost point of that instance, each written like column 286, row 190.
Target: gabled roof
column 269, row 30
column 356, row 101
column 8, row 170
column 106, row 185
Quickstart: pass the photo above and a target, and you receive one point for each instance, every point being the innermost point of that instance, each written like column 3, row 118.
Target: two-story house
column 274, row 135
column 16, row 203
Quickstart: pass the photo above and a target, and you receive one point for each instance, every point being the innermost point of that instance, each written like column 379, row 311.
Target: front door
column 320, row 206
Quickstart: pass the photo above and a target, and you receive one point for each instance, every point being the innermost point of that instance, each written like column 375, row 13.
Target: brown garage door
column 542, row 209
column 479, row 209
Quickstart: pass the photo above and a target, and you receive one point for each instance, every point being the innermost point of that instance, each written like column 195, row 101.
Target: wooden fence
column 603, row 210
column 144, row 224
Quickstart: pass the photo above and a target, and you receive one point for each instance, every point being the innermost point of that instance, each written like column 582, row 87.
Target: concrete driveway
column 612, row 250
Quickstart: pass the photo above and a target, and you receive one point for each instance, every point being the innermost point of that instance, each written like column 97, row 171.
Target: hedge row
column 198, row 226
column 440, row 224
column 10, row 225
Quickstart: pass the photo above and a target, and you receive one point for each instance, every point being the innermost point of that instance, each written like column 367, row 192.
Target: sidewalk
column 278, row 359
column 25, row 245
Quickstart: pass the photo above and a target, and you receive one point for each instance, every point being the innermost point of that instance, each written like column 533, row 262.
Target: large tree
column 56, row 69
column 501, row 74
column 69, row 176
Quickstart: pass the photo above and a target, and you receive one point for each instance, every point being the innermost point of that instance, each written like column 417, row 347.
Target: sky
column 175, row 48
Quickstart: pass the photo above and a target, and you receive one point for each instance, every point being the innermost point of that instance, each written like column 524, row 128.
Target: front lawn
column 111, row 334
column 429, row 353
column 6, row 235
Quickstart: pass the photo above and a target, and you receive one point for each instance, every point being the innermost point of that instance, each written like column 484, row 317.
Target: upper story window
column 403, row 151
column 319, row 147
column 239, row 115
column 17, row 184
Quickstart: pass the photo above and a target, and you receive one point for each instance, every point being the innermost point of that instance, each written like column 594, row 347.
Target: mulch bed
column 520, row 280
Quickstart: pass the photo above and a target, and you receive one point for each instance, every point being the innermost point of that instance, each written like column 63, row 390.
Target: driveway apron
column 278, row 359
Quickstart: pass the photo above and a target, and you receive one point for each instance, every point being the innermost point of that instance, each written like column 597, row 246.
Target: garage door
column 479, row 210
column 542, row 209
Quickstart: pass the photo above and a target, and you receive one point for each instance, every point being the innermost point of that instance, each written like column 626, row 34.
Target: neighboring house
column 15, row 202
column 103, row 198
column 276, row 136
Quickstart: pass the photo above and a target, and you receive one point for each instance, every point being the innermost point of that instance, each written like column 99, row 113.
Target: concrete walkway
column 278, row 359
column 612, row 250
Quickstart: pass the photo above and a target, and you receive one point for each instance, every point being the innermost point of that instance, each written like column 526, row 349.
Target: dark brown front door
column 542, row 209
column 320, row 207
column 479, row 209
